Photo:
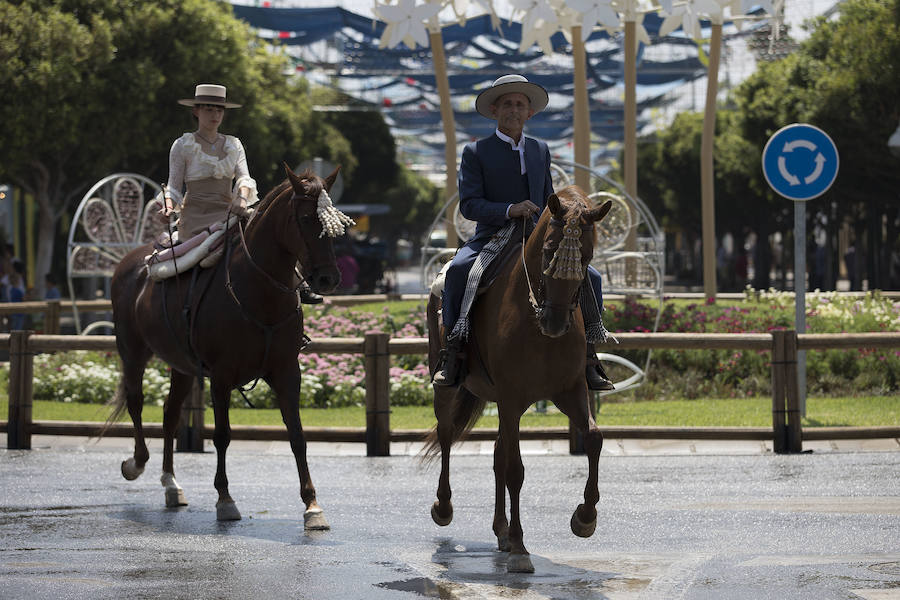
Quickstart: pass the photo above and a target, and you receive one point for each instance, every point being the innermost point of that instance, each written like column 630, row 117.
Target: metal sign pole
column 800, row 296
column 800, row 162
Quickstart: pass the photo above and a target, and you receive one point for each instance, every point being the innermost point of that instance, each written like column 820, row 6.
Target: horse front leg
column 519, row 560
column 226, row 510
column 179, row 388
column 287, row 389
column 501, row 524
column 576, row 405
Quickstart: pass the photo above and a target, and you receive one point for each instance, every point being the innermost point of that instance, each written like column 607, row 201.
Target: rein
column 267, row 330
column 532, row 299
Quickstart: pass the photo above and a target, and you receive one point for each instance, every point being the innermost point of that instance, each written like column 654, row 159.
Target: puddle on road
column 423, row 586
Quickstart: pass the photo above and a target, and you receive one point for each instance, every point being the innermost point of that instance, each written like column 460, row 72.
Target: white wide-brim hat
column 209, row 93
column 509, row 84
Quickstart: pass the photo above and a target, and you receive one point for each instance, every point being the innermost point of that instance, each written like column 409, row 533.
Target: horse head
column 318, row 222
column 568, row 246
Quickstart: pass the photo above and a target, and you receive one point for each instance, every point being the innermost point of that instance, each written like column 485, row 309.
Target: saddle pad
column 212, row 243
column 487, row 278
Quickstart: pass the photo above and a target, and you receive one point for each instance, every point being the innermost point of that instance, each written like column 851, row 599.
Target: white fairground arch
column 118, row 214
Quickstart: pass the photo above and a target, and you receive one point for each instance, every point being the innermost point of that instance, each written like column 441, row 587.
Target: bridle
column 568, row 228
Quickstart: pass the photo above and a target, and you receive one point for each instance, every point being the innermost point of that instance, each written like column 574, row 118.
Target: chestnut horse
column 234, row 322
column 526, row 343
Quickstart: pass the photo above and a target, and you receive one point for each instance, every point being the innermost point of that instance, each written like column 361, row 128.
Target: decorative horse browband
column 566, row 261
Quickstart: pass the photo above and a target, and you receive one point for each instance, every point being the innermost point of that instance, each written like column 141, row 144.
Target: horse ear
column 553, row 203
column 295, row 181
column 329, row 181
column 597, row 214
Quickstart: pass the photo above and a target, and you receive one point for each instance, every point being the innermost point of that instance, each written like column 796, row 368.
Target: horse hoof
column 175, row 497
column 130, row 470
column 314, row 520
column 519, row 563
column 227, row 511
column 580, row 528
column 503, row 543
column 437, row 518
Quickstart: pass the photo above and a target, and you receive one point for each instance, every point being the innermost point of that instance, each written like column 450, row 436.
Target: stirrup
column 448, row 372
column 597, row 379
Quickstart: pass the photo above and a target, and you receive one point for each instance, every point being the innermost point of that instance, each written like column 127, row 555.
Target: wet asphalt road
column 820, row 525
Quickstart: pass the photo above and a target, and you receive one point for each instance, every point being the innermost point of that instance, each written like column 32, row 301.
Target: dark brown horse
column 521, row 351
column 237, row 321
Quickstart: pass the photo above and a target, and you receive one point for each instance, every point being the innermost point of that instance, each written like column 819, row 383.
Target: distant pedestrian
column 52, row 290
column 17, row 294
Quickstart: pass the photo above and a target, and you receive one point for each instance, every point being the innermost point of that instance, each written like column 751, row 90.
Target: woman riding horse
column 206, row 162
column 235, row 322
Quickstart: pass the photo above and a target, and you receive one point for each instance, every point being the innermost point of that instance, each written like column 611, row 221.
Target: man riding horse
column 507, row 176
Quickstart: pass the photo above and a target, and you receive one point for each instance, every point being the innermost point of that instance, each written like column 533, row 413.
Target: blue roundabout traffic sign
column 800, row 162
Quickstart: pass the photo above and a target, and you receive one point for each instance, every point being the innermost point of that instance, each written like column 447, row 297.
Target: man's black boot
column 447, row 372
column 596, row 376
column 307, row 296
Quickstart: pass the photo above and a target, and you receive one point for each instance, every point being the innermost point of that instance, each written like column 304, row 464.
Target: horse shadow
column 201, row 521
column 466, row 564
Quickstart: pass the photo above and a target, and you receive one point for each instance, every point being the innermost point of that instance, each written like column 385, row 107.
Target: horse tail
column 118, row 402
column 434, row 332
column 465, row 410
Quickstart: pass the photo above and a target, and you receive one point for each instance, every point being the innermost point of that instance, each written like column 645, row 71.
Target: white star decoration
column 406, row 22
column 539, row 23
column 593, row 12
column 688, row 14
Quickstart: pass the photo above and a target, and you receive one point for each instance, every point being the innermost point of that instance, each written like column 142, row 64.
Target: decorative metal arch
column 118, row 214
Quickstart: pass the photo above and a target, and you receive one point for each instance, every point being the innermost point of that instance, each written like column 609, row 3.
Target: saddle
column 512, row 249
column 170, row 257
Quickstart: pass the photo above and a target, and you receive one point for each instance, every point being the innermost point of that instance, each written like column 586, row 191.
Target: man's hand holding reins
column 525, row 208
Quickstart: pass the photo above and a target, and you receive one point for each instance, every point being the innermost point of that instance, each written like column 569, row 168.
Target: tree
column 844, row 79
column 379, row 178
column 90, row 88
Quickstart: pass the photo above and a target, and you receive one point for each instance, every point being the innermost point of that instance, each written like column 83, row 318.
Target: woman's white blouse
column 188, row 162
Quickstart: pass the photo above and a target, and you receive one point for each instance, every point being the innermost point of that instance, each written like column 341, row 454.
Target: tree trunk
column 46, row 239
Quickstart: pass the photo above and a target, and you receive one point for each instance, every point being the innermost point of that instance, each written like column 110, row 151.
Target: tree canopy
column 844, row 79
column 91, row 88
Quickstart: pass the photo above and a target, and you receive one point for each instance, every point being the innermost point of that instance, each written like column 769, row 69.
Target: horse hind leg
column 130, row 394
column 453, row 409
column 180, row 386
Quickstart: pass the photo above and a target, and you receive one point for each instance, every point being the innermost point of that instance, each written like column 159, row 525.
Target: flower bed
column 728, row 373
column 338, row 380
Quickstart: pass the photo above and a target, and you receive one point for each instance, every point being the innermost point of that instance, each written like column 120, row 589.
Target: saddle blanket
column 203, row 249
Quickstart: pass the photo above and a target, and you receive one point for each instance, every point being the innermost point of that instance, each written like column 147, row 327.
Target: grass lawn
column 744, row 412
